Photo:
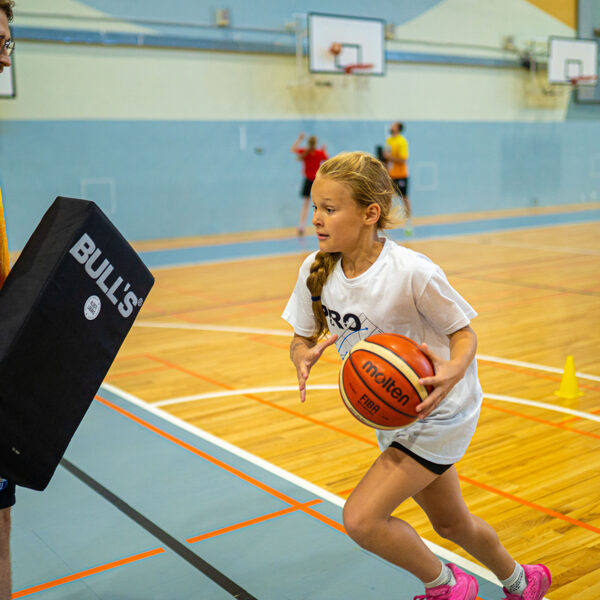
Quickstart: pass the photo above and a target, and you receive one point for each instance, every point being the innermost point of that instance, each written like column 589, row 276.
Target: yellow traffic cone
column 568, row 385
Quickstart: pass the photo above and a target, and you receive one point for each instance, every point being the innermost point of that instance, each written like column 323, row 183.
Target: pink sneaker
column 538, row 581
column 465, row 589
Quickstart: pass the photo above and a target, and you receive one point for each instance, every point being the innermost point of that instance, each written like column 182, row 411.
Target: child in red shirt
column 312, row 157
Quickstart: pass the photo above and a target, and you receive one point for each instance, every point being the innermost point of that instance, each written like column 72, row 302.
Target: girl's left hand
column 446, row 375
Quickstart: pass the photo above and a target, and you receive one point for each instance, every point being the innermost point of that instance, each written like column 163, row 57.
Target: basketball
column 379, row 380
column 335, row 48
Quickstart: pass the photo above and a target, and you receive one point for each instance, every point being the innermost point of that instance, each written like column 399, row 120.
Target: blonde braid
column 320, row 270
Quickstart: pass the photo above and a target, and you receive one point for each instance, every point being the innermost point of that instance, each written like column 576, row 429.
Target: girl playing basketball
column 357, row 284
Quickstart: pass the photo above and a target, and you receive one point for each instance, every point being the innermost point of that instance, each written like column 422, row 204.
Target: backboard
column 357, row 41
column 573, row 59
column 588, row 27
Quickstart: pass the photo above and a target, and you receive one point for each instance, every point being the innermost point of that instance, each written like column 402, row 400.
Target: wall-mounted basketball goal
column 344, row 45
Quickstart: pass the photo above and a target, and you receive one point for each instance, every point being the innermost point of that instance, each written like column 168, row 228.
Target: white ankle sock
column 446, row 577
column 517, row 582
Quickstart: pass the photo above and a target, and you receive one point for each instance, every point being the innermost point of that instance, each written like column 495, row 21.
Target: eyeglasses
column 9, row 47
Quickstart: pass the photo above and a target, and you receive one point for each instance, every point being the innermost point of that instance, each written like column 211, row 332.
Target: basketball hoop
column 349, row 69
column 584, row 80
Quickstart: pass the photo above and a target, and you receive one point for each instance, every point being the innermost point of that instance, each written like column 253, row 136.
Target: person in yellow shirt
column 396, row 155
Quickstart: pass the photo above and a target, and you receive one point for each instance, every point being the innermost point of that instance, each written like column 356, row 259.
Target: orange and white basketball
column 379, row 380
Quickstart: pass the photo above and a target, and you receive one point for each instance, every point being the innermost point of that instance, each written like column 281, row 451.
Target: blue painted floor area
column 201, row 254
column 187, row 487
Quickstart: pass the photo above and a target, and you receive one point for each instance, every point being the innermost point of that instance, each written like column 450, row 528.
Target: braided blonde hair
column 369, row 183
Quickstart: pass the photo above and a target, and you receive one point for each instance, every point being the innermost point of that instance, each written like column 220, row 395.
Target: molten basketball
column 379, row 380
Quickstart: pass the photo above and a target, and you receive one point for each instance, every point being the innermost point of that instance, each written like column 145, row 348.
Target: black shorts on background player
column 401, row 186
column 306, row 188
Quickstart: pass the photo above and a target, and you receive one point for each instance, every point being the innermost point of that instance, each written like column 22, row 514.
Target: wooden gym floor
column 210, row 351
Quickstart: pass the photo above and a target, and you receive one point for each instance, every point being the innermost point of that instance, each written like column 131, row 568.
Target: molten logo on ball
column 380, row 380
column 387, row 383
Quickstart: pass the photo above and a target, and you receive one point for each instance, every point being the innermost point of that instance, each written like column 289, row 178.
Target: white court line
column 260, row 390
column 289, row 333
column 283, row 474
column 546, row 406
column 528, row 365
column 330, row 386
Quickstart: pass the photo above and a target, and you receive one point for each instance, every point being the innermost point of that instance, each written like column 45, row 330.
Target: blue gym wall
column 196, row 142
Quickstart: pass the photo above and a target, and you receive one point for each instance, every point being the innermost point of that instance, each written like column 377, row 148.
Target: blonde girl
column 360, row 283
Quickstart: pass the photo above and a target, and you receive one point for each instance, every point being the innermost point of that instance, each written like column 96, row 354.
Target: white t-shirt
column 402, row 292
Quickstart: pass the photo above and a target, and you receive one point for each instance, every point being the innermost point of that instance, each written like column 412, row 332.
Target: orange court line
column 141, row 556
column 533, row 373
column 254, row 521
column 347, row 433
column 594, row 411
column 188, row 372
column 267, row 402
column 519, row 500
column 374, row 444
column 543, row 509
column 542, row 421
column 259, row 339
column 134, row 373
column 215, row 461
column 75, row 576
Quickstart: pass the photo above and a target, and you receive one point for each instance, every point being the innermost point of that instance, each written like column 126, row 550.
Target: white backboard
column 571, row 58
column 361, row 40
column 7, row 83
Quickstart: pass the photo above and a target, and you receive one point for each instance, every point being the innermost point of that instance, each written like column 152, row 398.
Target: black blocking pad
column 65, row 309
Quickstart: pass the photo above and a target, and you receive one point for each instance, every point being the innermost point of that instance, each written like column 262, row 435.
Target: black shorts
column 7, row 493
column 306, row 188
column 401, row 186
column 430, row 466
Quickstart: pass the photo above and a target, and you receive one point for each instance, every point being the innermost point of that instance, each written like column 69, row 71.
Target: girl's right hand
column 306, row 362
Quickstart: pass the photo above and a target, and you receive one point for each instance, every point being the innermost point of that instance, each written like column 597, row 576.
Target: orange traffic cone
column 568, row 385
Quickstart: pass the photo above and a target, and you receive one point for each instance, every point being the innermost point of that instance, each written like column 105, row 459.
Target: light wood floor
column 532, row 472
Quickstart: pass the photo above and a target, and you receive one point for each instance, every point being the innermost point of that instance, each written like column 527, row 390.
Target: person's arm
column 395, row 159
column 463, row 346
column 295, row 145
column 304, row 354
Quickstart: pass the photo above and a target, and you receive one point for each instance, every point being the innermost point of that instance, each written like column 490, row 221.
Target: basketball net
column 4, row 258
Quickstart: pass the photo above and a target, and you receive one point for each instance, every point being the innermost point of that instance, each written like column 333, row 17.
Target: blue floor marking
column 69, row 528
column 256, row 249
column 500, row 224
